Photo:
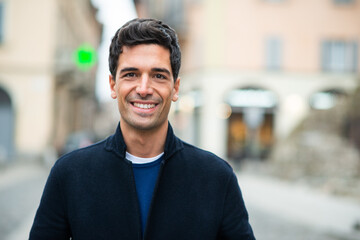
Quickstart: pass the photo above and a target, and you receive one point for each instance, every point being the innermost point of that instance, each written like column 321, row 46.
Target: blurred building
column 253, row 69
column 44, row 95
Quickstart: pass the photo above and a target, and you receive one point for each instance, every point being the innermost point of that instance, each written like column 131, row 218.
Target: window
column 274, row 0
column 273, row 53
column 1, row 22
column 339, row 56
column 170, row 11
column 343, row 1
column 174, row 14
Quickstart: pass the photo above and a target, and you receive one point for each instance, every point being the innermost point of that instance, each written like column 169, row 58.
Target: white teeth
column 144, row 106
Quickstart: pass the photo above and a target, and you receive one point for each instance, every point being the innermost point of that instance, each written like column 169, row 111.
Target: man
column 142, row 182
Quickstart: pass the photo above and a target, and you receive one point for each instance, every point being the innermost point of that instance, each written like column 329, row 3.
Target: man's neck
column 144, row 143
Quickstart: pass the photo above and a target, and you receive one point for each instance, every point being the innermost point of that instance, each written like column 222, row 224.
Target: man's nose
column 144, row 88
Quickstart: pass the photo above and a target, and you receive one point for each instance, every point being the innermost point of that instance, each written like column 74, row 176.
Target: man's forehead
column 149, row 51
column 129, row 47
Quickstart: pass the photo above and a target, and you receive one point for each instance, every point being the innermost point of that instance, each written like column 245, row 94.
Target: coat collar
column 116, row 143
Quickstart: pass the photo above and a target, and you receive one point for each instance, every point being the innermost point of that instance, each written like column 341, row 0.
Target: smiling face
column 144, row 86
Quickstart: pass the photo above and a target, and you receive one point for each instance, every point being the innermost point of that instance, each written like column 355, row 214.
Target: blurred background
column 271, row 86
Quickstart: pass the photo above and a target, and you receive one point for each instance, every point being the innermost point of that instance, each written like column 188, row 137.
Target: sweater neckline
column 140, row 160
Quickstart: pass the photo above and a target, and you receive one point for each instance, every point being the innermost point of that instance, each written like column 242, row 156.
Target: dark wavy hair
column 145, row 31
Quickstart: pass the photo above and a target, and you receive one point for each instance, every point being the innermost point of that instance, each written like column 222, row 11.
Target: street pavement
column 278, row 210
column 20, row 191
column 283, row 210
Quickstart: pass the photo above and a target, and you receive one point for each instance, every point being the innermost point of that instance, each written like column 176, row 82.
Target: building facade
column 253, row 69
column 43, row 94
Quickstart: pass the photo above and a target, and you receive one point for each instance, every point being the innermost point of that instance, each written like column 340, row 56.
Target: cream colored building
column 253, row 69
column 43, row 95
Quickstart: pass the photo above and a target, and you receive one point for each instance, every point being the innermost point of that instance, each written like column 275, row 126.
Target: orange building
column 253, row 69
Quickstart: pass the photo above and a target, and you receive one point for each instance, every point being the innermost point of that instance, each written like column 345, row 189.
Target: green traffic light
column 85, row 57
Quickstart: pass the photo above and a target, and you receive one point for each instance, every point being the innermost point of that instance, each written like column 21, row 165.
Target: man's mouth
column 144, row 106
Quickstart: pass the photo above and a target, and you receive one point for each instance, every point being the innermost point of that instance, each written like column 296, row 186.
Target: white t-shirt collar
column 139, row 160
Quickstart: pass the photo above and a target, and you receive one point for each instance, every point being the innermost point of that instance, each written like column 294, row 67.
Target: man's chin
column 143, row 125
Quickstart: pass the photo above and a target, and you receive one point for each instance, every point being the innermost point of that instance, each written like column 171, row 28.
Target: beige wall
column 29, row 27
column 26, row 70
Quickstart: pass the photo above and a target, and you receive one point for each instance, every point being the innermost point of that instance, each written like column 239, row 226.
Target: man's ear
column 112, row 84
column 176, row 90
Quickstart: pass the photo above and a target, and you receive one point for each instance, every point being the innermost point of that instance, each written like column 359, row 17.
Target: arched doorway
column 6, row 127
column 251, row 123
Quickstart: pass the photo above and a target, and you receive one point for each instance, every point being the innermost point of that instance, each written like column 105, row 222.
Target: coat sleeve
column 235, row 221
column 50, row 220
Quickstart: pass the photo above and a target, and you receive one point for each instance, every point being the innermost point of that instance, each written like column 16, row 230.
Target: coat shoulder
column 80, row 157
column 206, row 159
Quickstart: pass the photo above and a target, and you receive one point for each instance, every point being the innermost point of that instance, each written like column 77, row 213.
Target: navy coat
column 90, row 194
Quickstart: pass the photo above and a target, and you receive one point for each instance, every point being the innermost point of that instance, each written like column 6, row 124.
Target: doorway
column 6, row 127
column 251, row 123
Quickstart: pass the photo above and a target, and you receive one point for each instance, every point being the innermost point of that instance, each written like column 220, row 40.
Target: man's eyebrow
column 128, row 69
column 164, row 70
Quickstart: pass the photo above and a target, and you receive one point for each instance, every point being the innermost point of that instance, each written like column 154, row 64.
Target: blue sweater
column 145, row 179
column 91, row 194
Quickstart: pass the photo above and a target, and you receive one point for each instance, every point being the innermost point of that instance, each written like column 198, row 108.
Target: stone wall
column 319, row 152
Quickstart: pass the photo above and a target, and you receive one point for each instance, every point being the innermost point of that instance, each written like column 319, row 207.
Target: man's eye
column 129, row 75
column 158, row 75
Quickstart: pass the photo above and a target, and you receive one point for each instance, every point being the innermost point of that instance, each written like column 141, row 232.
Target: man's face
column 144, row 86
